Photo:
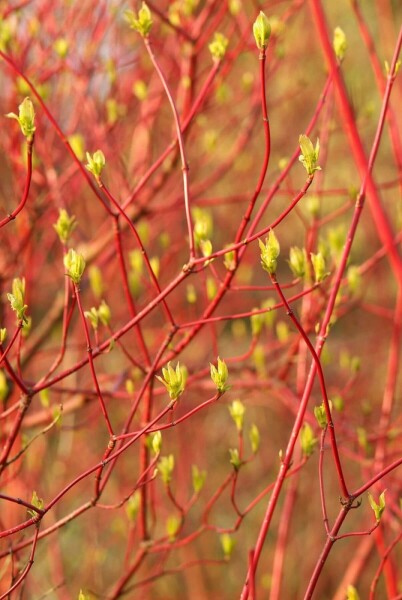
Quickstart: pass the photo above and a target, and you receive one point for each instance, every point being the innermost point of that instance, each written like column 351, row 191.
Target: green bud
column 96, row 281
column 237, row 411
column 269, row 315
column 191, row 294
column 235, row 458
column 140, row 90
column 210, row 139
column 111, row 70
column 259, row 360
column 228, row 544
column 218, row 46
column 219, row 375
column 37, row 502
column 155, row 265
column 351, row 593
column 3, row 335
column 282, row 332
column 313, row 205
column 4, row 388
column 25, row 118
column 340, row 43
column 173, row 380
column 257, row 322
column 338, row 402
column 60, row 46
column 44, row 397
column 93, row 317
column 95, row 163
column 141, row 22
column 206, row 249
column 377, row 508
column 203, row 224
column 362, row 440
column 156, row 442
column 133, row 506
column 199, row 478
column 165, row 467
column 75, row 265
column 64, row 226
column 77, row 143
column 234, row 7
column 17, row 298
column 354, row 280
column 82, row 596
column 336, row 240
column 136, row 260
column 211, row 288
column 307, row 440
column 247, row 81
column 298, row 261
column 318, row 263
column 309, row 154
column 261, row 31
column 321, row 415
column 229, row 260
column 104, row 313
column 254, row 437
column 269, row 252
column 129, row 384
column 114, row 111
column 172, row 527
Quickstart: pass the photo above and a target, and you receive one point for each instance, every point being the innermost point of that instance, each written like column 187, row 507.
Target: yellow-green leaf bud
column 228, row 544
column 269, row 252
column 172, row 527
column 17, row 299
column 165, row 467
column 75, row 265
column 377, row 508
column 95, row 163
column 96, row 281
column 25, row 118
column 237, row 411
column 173, row 379
column 297, row 261
column 318, row 263
column 133, row 506
column 235, row 458
column 219, row 375
column 65, row 225
column 340, row 43
column 93, row 317
column 254, row 437
column 156, row 442
column 307, row 440
column 141, row 22
column 261, row 31
column 198, row 478
column 309, row 154
column 218, row 46
column 4, row 387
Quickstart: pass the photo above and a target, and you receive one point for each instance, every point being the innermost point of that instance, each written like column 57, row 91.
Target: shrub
column 202, row 293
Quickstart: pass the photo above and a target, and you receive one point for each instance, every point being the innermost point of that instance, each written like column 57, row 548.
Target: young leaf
column 379, row 508
column 237, row 411
column 219, row 375
column 199, row 478
column 228, row 544
column 261, row 31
